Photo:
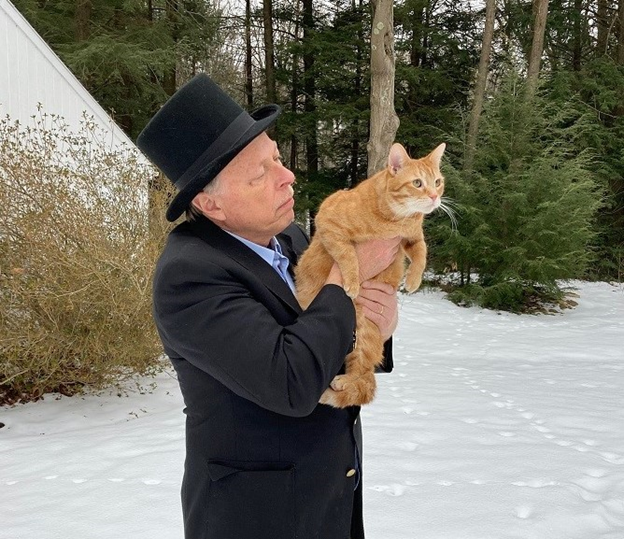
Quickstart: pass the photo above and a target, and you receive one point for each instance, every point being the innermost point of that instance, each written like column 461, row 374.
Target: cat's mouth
column 435, row 204
column 425, row 207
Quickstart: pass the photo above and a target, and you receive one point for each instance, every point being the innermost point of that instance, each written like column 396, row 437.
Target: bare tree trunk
column 309, row 91
column 294, row 98
column 416, row 24
column 269, row 61
column 620, row 48
column 82, row 18
column 384, row 122
column 171, row 10
column 537, row 46
column 479, row 91
column 578, row 35
column 603, row 28
column 355, row 141
column 417, row 41
column 248, row 62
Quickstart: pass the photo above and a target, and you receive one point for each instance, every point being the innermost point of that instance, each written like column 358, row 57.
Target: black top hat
column 196, row 133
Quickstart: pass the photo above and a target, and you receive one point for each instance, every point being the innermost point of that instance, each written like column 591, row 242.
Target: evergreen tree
column 129, row 55
column 437, row 49
column 341, row 76
column 531, row 203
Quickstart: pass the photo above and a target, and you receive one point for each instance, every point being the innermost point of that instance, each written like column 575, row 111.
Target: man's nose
column 286, row 176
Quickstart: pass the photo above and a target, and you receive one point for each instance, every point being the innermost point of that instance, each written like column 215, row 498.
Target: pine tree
column 531, row 203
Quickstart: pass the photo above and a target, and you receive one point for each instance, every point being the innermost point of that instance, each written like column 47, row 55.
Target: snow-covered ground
column 492, row 426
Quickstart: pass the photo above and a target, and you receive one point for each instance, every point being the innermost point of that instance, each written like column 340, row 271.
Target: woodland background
column 526, row 94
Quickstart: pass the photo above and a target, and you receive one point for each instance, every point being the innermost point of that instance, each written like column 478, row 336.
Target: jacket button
column 351, row 473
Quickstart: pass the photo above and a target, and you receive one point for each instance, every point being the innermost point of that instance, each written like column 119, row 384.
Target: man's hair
column 192, row 212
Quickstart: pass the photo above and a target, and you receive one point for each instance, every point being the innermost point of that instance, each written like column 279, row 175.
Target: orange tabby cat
column 391, row 203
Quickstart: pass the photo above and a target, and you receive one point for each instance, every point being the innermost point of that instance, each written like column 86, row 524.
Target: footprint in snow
column 614, row 458
column 596, row 472
column 524, row 511
column 392, row 490
column 534, row 483
column 407, row 446
column 564, row 443
column 593, row 484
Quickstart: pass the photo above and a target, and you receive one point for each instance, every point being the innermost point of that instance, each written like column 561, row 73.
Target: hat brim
column 265, row 117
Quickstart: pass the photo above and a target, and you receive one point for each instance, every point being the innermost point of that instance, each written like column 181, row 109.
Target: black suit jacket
column 264, row 460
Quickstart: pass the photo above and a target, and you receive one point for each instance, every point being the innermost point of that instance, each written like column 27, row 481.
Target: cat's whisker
column 451, row 213
column 450, row 202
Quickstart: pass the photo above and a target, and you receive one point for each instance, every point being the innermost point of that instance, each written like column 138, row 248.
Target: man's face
column 254, row 194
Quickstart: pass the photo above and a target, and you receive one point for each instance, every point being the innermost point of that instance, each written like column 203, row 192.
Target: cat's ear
column 436, row 155
column 397, row 158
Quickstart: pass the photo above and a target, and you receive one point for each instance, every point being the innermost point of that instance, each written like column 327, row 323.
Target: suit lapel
column 240, row 253
column 293, row 249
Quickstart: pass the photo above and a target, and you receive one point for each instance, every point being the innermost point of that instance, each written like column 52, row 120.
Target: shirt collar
column 268, row 254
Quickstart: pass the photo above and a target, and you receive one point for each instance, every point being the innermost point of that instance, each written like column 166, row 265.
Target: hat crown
column 190, row 122
column 196, row 133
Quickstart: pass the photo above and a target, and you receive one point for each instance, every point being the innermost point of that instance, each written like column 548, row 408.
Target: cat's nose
column 433, row 197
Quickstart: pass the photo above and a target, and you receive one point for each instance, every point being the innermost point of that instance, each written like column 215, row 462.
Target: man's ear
column 208, row 206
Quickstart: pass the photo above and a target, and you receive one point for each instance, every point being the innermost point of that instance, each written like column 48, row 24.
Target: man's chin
column 286, row 220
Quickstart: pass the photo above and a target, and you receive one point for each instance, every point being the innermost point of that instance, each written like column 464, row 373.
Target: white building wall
column 31, row 74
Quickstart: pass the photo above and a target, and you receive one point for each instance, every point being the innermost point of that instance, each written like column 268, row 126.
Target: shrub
column 77, row 249
column 529, row 208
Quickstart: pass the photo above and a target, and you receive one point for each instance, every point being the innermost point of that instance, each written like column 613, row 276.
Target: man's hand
column 374, row 256
column 380, row 304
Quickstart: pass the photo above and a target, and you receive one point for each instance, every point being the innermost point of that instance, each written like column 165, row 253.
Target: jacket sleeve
column 388, row 361
column 210, row 318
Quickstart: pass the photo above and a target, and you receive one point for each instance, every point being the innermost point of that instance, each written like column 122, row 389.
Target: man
column 264, row 460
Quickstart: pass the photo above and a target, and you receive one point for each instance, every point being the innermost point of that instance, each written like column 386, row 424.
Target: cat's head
column 414, row 185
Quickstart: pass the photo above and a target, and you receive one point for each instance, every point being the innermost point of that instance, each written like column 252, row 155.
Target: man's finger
column 377, row 285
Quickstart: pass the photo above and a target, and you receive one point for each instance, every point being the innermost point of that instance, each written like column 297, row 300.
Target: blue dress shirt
column 272, row 256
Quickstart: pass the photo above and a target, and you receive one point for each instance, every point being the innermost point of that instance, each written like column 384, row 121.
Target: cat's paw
column 339, row 382
column 329, row 398
column 412, row 282
column 345, row 391
column 352, row 288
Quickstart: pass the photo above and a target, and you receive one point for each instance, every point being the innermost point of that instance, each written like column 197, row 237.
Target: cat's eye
column 418, row 183
column 438, row 182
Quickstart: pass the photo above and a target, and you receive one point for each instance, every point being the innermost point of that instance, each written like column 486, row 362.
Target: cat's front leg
column 343, row 252
column 417, row 253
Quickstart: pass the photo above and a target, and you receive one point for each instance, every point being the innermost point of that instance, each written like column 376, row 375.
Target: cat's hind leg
column 358, row 385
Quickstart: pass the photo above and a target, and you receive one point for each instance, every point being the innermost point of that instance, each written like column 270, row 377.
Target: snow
column 492, row 426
